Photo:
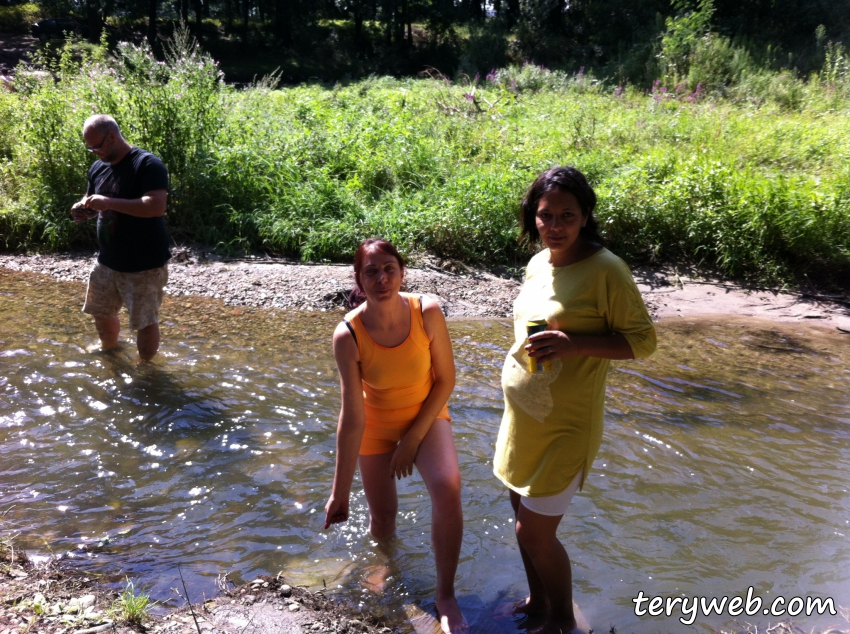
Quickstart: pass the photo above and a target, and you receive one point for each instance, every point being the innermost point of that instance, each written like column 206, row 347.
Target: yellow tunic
column 552, row 425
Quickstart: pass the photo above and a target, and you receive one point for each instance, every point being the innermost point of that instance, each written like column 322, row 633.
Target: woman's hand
column 401, row 464
column 551, row 344
column 336, row 510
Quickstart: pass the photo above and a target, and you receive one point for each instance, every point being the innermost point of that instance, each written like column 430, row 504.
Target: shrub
column 714, row 63
column 18, row 18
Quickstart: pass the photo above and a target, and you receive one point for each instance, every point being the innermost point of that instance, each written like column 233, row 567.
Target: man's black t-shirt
column 129, row 244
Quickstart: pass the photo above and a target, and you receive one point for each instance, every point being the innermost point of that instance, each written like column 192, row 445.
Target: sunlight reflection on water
column 725, row 461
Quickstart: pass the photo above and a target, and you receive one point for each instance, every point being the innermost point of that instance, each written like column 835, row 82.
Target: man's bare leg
column 147, row 341
column 107, row 329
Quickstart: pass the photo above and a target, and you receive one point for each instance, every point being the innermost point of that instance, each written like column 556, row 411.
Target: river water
column 725, row 464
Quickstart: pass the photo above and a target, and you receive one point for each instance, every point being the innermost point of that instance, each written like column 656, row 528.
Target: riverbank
column 51, row 598
column 463, row 292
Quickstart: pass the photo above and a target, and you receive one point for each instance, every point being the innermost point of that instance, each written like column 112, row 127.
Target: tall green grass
column 753, row 184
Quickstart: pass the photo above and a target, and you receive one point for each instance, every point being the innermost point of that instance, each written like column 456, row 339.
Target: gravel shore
column 462, row 291
column 286, row 284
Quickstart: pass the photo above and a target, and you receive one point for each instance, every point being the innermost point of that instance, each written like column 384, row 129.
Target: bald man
column 127, row 192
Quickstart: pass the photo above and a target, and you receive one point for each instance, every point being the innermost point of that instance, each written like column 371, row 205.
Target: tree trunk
column 228, row 15
column 400, row 18
column 152, row 11
column 388, row 12
column 283, row 21
column 199, row 10
column 358, row 25
column 512, row 11
column 555, row 19
column 246, row 10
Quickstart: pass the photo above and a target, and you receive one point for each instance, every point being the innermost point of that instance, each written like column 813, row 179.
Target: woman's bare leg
column 536, row 604
column 537, row 537
column 438, row 464
column 381, row 496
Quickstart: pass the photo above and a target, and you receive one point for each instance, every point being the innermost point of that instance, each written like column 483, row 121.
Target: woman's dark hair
column 565, row 179
column 357, row 296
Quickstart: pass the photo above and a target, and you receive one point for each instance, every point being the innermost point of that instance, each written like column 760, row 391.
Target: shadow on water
column 724, row 464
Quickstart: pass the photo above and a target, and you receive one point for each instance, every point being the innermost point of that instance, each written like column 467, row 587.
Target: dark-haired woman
column 396, row 373
column 552, row 425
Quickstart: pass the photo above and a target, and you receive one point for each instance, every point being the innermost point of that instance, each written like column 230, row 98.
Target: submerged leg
column 107, row 329
column 438, row 464
column 147, row 342
column 381, row 496
column 550, row 570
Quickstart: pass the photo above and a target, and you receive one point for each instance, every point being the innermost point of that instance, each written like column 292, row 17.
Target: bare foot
column 375, row 578
column 451, row 618
column 514, row 609
column 552, row 626
column 99, row 347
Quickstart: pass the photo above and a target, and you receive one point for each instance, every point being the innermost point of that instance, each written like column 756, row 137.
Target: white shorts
column 553, row 504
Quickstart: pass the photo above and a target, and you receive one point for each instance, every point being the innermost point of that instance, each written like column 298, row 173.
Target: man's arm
column 150, row 205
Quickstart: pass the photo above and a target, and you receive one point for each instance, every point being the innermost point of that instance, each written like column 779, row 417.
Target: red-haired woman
column 396, row 373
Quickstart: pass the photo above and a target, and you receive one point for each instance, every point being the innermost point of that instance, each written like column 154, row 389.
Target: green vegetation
column 752, row 180
column 18, row 18
column 132, row 606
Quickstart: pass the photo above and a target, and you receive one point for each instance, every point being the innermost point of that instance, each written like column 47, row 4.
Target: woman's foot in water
column 557, row 626
column 451, row 618
column 520, row 609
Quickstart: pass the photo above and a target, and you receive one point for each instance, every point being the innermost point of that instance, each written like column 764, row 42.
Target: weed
column 132, row 605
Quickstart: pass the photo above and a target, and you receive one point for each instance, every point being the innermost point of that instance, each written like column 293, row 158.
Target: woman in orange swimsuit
column 396, row 373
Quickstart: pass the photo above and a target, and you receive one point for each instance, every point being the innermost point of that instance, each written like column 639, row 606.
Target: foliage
column 530, row 77
column 753, row 184
column 173, row 108
column 485, row 49
column 715, row 63
column 132, row 606
column 684, row 32
column 18, row 17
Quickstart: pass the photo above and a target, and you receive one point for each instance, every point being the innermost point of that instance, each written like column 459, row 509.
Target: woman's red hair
column 357, row 296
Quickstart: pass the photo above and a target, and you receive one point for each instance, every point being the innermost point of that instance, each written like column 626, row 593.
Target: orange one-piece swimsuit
column 396, row 381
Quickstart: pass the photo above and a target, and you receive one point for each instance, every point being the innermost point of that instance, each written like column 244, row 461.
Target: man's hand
column 79, row 212
column 97, row 202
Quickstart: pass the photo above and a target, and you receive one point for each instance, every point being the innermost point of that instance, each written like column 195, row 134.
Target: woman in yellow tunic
column 396, row 373
column 552, row 426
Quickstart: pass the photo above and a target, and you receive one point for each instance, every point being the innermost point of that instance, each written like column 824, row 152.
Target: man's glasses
column 99, row 145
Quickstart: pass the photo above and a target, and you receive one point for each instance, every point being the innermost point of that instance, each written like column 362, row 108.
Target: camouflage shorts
column 140, row 292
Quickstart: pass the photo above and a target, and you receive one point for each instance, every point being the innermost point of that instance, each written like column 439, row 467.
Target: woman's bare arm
column 554, row 344
column 352, row 421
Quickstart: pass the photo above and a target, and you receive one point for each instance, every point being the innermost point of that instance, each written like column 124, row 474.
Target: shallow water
column 725, row 463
